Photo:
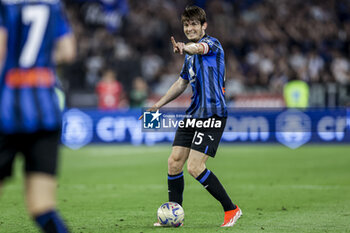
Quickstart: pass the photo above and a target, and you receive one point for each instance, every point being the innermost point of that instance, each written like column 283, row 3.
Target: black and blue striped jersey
column 206, row 74
column 28, row 101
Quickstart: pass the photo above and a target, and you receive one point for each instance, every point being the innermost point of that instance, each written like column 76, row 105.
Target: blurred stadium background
column 266, row 42
column 125, row 62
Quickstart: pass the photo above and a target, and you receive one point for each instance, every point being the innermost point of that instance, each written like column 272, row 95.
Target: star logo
column 156, row 115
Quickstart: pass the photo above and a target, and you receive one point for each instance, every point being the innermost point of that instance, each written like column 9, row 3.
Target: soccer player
column 204, row 69
column 34, row 35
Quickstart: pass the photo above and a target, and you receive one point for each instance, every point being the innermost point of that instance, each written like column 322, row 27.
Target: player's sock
column 51, row 222
column 176, row 187
column 215, row 188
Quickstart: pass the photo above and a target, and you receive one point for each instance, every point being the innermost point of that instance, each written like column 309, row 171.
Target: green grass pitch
column 119, row 188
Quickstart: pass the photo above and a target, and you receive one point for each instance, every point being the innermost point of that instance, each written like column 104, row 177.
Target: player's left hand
column 154, row 108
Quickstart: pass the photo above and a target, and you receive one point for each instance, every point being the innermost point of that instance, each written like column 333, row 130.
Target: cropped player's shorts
column 201, row 138
column 39, row 150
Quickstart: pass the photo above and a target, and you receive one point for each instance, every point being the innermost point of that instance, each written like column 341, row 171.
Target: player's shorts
column 40, row 151
column 201, row 138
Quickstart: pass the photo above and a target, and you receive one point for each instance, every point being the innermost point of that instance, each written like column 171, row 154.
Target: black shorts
column 40, row 151
column 202, row 139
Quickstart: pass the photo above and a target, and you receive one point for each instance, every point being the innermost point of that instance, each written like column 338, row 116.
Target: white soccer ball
column 171, row 214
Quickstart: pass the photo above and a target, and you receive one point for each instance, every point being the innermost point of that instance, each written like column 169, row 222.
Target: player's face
column 193, row 30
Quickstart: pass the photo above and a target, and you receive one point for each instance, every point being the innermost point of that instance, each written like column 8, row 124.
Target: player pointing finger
column 178, row 47
column 175, row 48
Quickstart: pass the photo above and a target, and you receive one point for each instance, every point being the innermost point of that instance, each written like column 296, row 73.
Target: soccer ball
column 171, row 214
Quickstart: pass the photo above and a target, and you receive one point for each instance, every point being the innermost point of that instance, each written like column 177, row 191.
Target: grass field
column 119, row 188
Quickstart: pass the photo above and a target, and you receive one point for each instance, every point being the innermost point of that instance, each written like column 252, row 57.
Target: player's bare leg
column 40, row 193
column 196, row 163
column 41, row 202
column 177, row 159
column 197, row 168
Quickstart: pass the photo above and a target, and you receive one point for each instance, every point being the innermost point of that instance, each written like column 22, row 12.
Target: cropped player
column 204, row 69
column 32, row 32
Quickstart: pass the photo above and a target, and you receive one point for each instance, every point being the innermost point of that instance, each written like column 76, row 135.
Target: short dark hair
column 194, row 13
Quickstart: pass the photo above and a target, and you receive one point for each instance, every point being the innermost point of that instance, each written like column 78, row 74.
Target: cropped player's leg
column 41, row 154
column 7, row 157
column 40, row 193
column 40, row 197
column 176, row 182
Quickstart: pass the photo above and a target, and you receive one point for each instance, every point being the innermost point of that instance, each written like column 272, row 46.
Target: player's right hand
column 175, row 48
column 178, row 47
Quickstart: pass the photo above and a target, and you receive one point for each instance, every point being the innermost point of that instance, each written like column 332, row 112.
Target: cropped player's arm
column 3, row 43
column 65, row 51
column 174, row 91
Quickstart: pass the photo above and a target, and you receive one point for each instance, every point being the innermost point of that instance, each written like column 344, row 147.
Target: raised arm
column 189, row 48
